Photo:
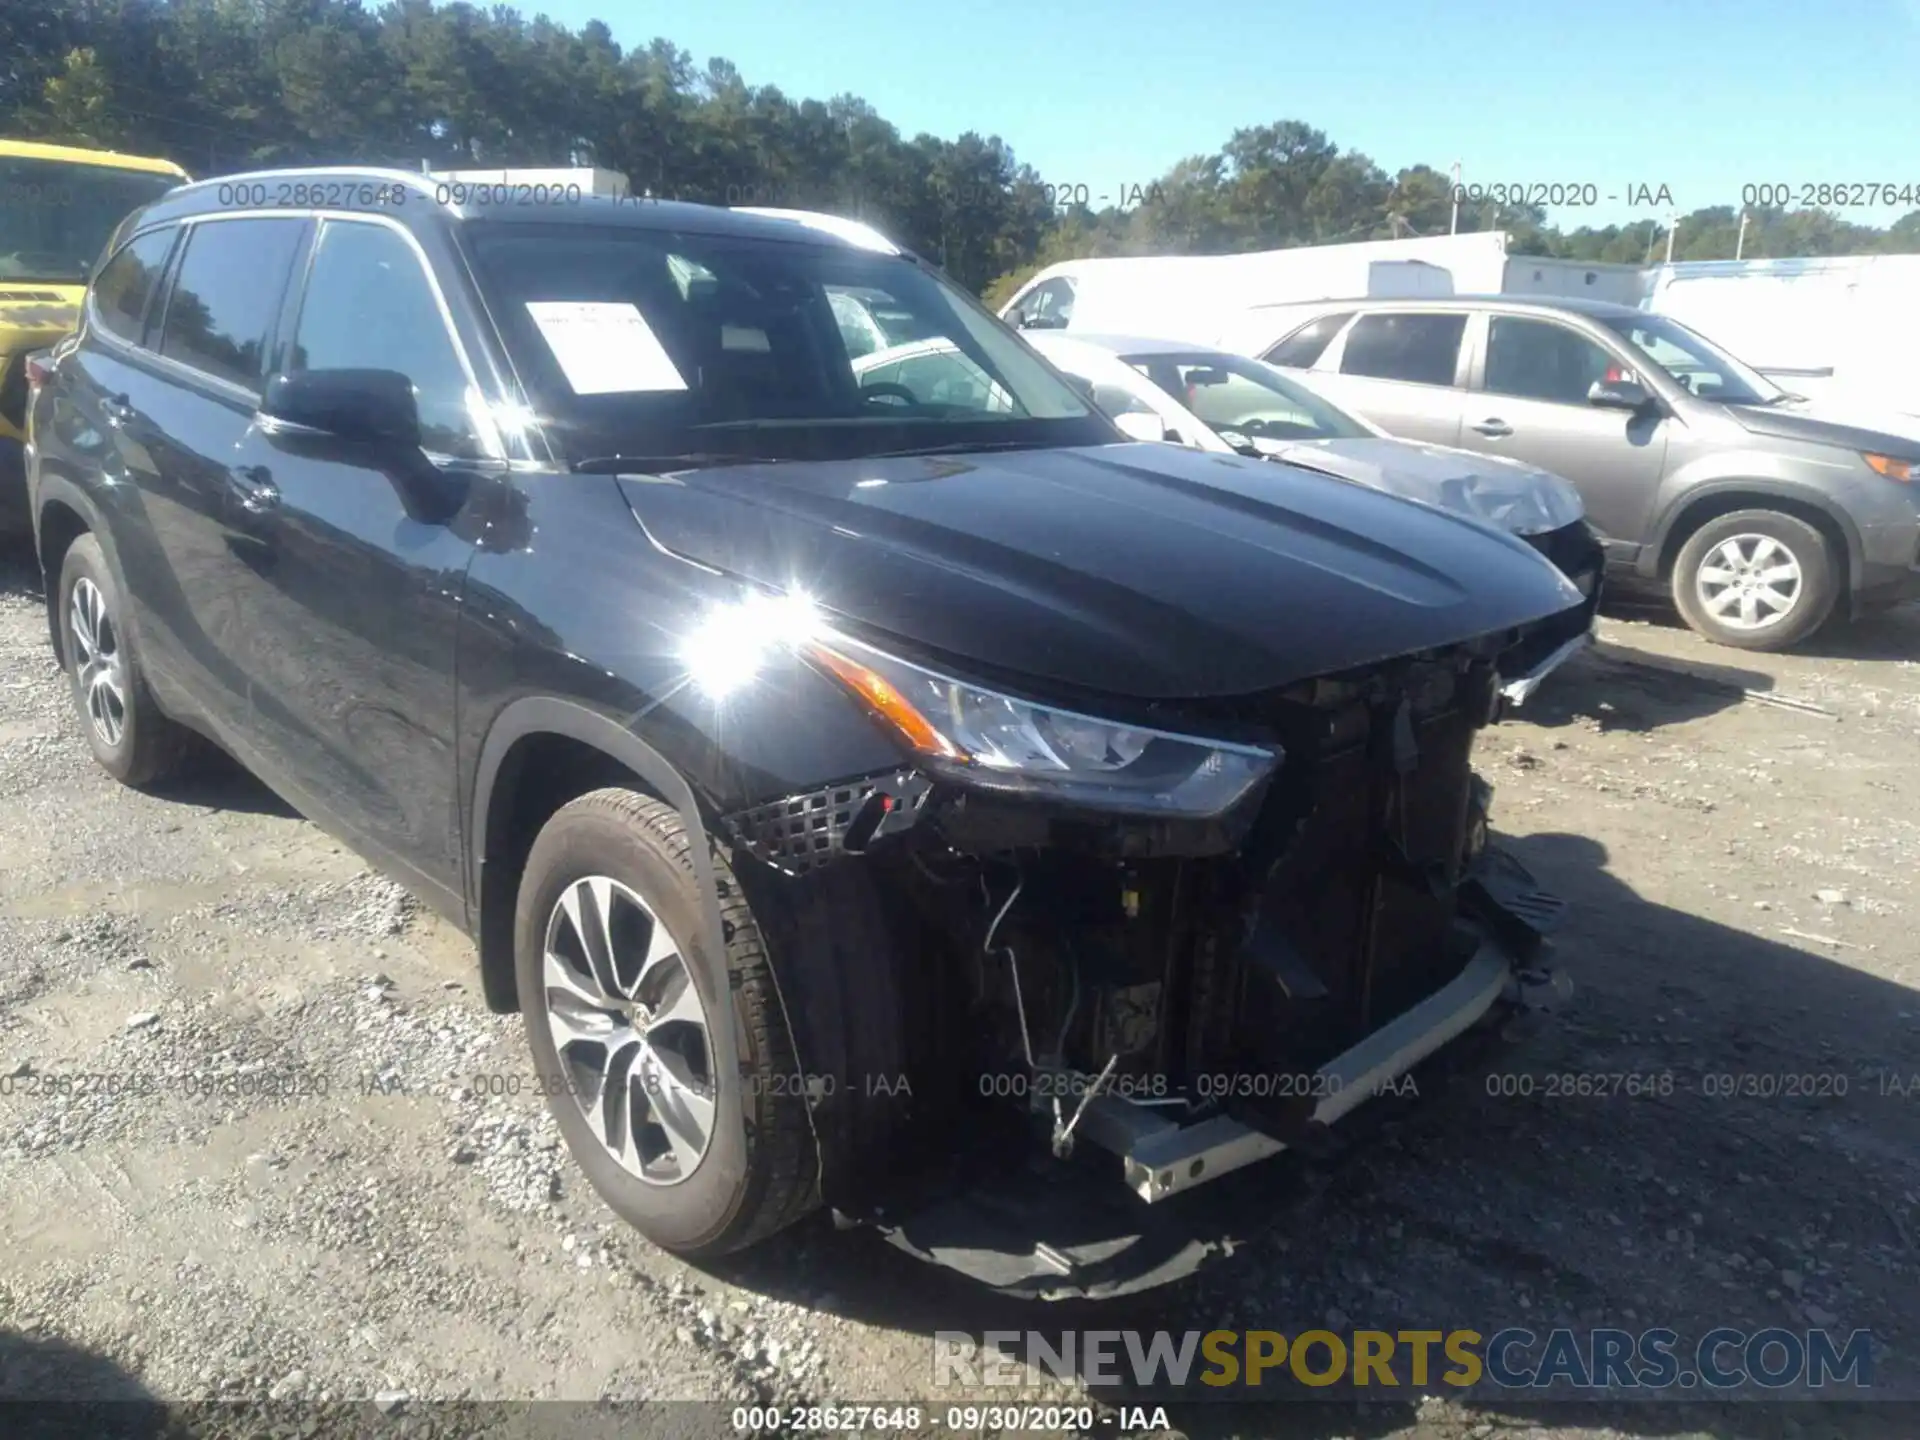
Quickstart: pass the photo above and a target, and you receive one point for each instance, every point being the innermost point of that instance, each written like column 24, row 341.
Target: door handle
column 1494, row 429
column 118, row 409
column 255, row 488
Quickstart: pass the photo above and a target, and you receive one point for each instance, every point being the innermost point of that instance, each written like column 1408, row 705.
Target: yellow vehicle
column 58, row 205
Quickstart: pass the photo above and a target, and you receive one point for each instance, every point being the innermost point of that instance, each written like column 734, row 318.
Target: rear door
column 1529, row 403
column 1401, row 369
column 177, row 412
column 88, row 430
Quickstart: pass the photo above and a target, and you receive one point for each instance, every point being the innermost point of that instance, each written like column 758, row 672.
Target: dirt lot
column 1741, row 877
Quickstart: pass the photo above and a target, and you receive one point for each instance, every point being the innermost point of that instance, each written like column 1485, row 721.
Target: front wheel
column 1756, row 580
column 621, row 1003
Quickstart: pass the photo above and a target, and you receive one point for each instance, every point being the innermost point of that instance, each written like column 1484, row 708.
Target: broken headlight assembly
column 1003, row 743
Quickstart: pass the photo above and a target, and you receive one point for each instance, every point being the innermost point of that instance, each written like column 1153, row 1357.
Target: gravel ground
column 1740, row 873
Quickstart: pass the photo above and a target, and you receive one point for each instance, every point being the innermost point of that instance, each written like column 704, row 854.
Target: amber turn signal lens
column 888, row 703
column 1893, row 469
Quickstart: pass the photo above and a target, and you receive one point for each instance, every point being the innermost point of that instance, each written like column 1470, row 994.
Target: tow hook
column 1538, row 989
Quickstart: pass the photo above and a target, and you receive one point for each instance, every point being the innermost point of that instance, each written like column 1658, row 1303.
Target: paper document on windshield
column 604, row 349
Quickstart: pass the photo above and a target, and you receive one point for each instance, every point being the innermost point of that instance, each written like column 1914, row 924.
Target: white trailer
column 1837, row 329
column 1197, row 297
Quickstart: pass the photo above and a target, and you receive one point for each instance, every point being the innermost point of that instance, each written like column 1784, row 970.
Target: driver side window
column 368, row 305
column 1049, row 306
column 1539, row 360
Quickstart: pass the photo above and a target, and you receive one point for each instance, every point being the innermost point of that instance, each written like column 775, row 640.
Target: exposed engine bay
column 1195, row 998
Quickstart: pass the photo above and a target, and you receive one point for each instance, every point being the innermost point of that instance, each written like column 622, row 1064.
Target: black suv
column 860, row 792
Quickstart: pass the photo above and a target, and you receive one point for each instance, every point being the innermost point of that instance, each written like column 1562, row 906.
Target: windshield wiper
column 1786, row 397
column 654, row 464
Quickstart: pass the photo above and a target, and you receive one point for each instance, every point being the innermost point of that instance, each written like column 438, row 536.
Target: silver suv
column 1763, row 515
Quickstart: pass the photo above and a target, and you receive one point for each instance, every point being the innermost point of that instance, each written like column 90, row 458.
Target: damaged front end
column 1080, row 1003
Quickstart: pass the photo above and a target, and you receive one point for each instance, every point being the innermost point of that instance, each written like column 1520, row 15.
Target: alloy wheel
column 98, row 666
column 630, row 1030
column 1749, row 582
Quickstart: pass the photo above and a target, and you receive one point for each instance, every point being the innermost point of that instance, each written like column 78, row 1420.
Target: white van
column 1200, row 298
column 1837, row 329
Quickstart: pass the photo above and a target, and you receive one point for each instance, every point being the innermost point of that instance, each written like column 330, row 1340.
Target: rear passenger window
column 1303, row 348
column 122, row 289
column 227, row 292
column 1421, row 348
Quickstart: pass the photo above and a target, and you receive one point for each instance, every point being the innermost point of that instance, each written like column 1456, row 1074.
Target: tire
column 1709, row 567
column 755, row 1171
column 129, row 736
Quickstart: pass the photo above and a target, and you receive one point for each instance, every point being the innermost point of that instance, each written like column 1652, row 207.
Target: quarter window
column 1421, row 348
column 228, row 291
column 123, row 288
column 369, row 306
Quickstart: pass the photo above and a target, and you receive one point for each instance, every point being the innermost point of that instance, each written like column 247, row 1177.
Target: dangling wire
column 1013, row 963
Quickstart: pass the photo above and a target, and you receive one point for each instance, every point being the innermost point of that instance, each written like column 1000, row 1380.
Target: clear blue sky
column 1701, row 97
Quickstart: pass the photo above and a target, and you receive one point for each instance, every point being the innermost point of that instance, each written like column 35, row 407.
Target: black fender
column 1652, row 555
column 57, row 489
column 546, row 715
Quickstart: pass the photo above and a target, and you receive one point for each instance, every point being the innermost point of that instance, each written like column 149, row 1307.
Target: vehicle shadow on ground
column 1554, row 1165
column 1888, row 635
column 218, row 782
column 1613, row 687
column 51, row 1389
column 19, row 571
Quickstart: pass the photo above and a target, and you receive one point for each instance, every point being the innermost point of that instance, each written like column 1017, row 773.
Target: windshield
column 1235, row 395
column 56, row 215
column 656, row 342
column 1702, row 367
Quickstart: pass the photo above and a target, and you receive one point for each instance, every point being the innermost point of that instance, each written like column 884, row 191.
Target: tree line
column 223, row 86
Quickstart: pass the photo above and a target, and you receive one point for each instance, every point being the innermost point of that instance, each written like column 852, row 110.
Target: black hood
column 1148, row 571
column 1818, row 427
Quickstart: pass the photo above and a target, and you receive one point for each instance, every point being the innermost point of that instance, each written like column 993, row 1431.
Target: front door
column 351, row 590
column 1532, row 406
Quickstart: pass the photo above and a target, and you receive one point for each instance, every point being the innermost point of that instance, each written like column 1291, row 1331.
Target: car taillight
column 39, row 370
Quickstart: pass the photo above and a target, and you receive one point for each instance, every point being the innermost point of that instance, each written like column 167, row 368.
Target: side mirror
column 1138, row 425
column 1618, row 395
column 375, row 407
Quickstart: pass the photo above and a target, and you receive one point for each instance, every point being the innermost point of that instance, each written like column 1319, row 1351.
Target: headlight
column 1529, row 502
column 999, row 742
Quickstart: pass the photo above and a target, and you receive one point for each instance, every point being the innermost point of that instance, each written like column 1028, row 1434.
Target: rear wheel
column 622, row 1002
column 1756, row 580
column 124, row 727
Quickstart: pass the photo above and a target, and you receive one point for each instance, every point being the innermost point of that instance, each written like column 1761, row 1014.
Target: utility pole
column 1653, row 234
column 1740, row 241
column 1673, row 224
column 1453, row 225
